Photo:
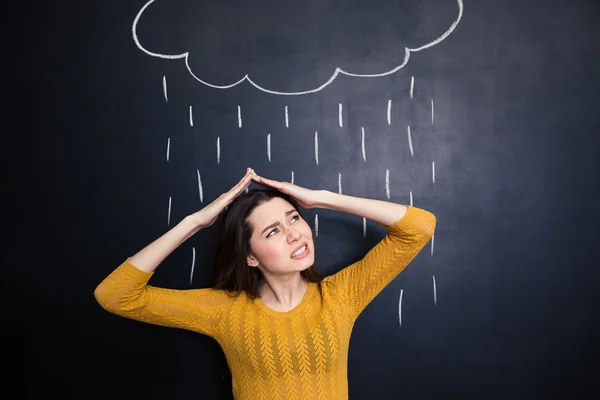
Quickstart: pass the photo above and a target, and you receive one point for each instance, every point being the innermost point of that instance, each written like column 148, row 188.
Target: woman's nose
column 293, row 235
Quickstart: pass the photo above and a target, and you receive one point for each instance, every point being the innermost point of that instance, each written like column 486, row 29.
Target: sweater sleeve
column 359, row 283
column 125, row 293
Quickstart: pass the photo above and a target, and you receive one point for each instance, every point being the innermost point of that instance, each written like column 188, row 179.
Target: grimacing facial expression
column 281, row 241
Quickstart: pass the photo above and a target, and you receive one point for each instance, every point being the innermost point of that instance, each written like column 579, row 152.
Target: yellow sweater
column 299, row 354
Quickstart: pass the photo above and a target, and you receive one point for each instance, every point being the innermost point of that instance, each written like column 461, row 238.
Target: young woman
column 284, row 330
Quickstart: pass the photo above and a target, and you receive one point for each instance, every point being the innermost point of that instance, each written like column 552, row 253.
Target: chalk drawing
column 434, row 292
column 387, row 183
column 193, row 264
column 316, row 225
column 338, row 71
column 165, row 88
column 292, row 180
column 269, row 146
column 432, row 112
column 200, row 190
column 287, row 117
column 339, row 183
column 400, row 307
column 340, row 117
column 191, row 117
column 433, row 171
column 389, row 112
column 364, row 154
column 218, row 150
column 168, row 148
column 239, row 117
column 364, row 227
column 412, row 86
column 169, row 214
column 410, row 145
column 317, row 148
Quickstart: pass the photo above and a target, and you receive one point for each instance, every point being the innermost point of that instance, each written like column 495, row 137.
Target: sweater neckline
column 310, row 290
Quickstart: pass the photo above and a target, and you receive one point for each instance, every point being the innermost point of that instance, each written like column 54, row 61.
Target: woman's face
column 281, row 241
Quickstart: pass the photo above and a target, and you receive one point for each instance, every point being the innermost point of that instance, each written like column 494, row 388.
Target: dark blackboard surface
column 513, row 141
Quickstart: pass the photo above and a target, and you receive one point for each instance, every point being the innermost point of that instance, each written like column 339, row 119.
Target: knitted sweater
column 298, row 354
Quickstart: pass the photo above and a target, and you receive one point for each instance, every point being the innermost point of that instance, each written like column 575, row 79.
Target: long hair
column 230, row 267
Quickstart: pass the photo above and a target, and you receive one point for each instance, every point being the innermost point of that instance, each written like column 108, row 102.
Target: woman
column 284, row 331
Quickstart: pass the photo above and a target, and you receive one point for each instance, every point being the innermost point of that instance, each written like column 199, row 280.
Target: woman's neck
column 283, row 294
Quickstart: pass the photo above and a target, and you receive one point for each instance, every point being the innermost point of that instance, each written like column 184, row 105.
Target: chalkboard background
column 494, row 128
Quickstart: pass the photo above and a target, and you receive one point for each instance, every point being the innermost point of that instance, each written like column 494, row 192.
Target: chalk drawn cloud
column 293, row 34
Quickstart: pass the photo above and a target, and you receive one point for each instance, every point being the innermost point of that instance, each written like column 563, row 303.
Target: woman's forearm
column 382, row 212
column 153, row 254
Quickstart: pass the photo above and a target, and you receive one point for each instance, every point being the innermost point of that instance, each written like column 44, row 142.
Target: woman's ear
column 252, row 261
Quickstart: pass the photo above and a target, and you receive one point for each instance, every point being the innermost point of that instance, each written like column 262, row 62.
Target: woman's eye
column 295, row 218
column 272, row 232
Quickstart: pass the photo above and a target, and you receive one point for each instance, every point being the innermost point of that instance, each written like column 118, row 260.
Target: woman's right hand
column 209, row 214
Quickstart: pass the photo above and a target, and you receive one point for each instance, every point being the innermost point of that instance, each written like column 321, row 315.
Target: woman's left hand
column 306, row 198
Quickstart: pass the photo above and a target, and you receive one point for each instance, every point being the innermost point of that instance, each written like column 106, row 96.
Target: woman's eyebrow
column 273, row 225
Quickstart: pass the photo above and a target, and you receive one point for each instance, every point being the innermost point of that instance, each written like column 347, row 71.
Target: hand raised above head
column 209, row 214
column 306, row 198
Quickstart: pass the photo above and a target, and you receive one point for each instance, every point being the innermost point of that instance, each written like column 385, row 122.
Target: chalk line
column 389, row 112
column 239, row 116
column 169, row 214
column 340, row 183
column 411, row 198
column 338, row 71
column 432, row 240
column 433, row 171
column 400, row 307
column 364, row 227
column 200, row 190
column 287, row 117
column 191, row 117
column 340, row 118
column 387, row 183
column 193, row 264
column 412, row 153
column 432, row 113
column 412, row 86
column 218, row 150
column 168, row 148
column 364, row 154
column 316, row 225
column 292, row 180
column 269, row 146
column 165, row 88
column 317, row 148
column 434, row 291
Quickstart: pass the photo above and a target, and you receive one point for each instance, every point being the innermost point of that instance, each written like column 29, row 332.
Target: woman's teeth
column 302, row 250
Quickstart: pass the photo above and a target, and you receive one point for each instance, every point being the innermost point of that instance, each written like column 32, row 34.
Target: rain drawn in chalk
column 340, row 115
column 434, row 292
column 364, row 154
column 292, row 179
column 169, row 213
column 412, row 86
column 389, row 112
column 165, row 88
column 432, row 112
column 269, row 146
column 218, row 150
column 317, row 148
column 316, row 225
column 287, row 117
column 364, row 227
column 193, row 264
column 239, row 116
column 432, row 240
column 339, row 183
column 400, row 306
column 191, row 117
column 387, row 183
column 411, row 198
column 433, row 171
column 168, row 148
column 412, row 153
column 200, row 190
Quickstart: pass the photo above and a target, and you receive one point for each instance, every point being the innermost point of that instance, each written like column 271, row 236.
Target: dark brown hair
column 230, row 268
